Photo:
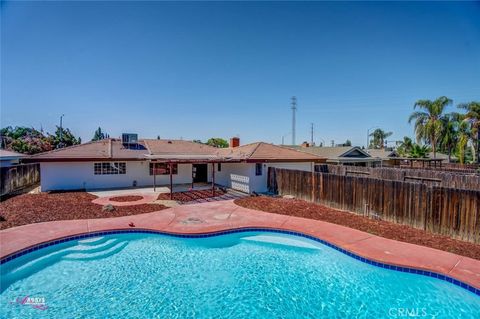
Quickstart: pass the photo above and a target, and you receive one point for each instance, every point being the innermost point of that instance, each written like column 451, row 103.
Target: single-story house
column 392, row 158
column 341, row 155
column 9, row 158
column 133, row 162
column 387, row 156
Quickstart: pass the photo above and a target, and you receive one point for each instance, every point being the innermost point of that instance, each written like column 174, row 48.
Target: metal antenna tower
column 311, row 134
column 294, row 110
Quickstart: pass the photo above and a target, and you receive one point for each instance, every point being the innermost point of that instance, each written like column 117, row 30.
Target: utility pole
column 294, row 110
column 311, row 135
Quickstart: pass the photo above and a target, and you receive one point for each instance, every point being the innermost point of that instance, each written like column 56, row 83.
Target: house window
column 258, row 169
column 219, row 167
column 109, row 168
column 163, row 169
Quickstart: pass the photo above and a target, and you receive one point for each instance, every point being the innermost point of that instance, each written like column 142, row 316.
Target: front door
column 199, row 173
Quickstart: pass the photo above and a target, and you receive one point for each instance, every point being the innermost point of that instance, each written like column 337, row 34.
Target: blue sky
column 196, row 70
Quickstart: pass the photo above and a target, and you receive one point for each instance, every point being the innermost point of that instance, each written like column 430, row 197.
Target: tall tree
column 405, row 146
column 428, row 126
column 63, row 137
column 449, row 135
column 217, row 142
column 25, row 140
column 472, row 116
column 464, row 134
column 99, row 135
column 379, row 137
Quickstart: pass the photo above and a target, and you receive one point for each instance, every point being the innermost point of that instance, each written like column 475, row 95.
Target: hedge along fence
column 435, row 178
column 446, row 211
column 16, row 178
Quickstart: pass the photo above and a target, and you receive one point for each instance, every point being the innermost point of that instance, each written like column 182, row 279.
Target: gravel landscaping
column 300, row 208
column 43, row 207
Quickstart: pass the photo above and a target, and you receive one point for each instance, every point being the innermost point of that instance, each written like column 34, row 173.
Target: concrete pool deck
column 225, row 215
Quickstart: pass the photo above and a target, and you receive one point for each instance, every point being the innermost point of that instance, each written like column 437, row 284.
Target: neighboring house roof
column 171, row 150
column 338, row 153
column 9, row 155
column 382, row 153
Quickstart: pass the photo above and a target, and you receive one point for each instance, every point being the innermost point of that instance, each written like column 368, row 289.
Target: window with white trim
column 109, row 168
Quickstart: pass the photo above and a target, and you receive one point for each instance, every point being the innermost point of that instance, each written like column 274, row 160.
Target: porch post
column 154, row 177
column 313, row 182
column 171, row 180
column 213, row 179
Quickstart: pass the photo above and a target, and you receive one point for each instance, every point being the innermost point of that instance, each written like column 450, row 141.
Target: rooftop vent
column 129, row 138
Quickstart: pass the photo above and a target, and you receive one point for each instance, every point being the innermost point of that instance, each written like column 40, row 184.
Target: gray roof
column 337, row 153
column 381, row 153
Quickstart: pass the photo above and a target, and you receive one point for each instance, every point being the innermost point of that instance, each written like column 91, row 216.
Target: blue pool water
column 241, row 275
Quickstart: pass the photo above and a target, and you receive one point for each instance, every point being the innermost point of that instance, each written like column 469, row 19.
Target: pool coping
column 171, row 225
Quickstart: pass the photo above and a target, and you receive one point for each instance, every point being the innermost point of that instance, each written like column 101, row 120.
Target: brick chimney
column 235, row 142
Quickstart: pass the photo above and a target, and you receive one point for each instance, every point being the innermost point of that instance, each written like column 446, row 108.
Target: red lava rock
column 191, row 195
column 35, row 208
column 129, row 198
column 300, row 208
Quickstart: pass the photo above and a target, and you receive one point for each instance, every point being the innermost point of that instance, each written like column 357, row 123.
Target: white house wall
column 79, row 175
column 241, row 176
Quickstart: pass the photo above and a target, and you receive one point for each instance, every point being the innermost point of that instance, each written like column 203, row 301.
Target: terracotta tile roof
column 113, row 149
column 178, row 147
column 264, row 151
column 94, row 150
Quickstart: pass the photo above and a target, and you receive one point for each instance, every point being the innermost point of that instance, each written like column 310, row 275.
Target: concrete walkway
column 224, row 215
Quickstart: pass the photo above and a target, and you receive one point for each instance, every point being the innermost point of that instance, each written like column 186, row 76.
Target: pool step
column 97, row 255
column 283, row 241
column 29, row 267
column 93, row 240
column 97, row 248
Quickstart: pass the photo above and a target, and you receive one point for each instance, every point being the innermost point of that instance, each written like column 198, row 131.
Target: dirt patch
column 35, row 208
column 128, row 198
column 300, row 208
column 190, row 195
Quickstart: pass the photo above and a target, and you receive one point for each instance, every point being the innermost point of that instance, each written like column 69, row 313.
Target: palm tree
column 473, row 117
column 428, row 126
column 405, row 145
column 449, row 136
column 419, row 151
column 464, row 134
column 379, row 137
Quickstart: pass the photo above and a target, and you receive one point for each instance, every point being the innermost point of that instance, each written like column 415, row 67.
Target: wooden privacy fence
column 16, row 178
column 447, row 211
column 431, row 177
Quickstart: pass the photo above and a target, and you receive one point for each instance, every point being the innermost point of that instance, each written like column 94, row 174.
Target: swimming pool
column 238, row 275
